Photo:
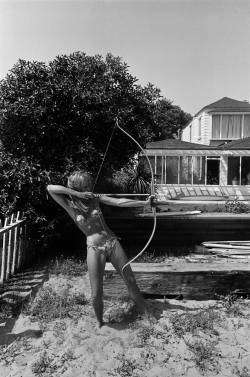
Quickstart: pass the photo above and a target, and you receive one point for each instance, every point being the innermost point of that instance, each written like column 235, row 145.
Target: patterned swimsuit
column 90, row 221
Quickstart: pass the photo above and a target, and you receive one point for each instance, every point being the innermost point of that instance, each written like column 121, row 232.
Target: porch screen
column 215, row 126
column 143, row 166
column 199, row 170
column 245, row 170
column 172, row 169
column 186, row 169
column 159, row 169
column 231, row 126
column 246, row 125
column 233, row 174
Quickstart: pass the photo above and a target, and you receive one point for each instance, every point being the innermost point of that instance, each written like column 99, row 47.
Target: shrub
column 236, row 206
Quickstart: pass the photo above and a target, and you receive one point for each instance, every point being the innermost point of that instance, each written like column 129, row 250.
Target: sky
column 195, row 51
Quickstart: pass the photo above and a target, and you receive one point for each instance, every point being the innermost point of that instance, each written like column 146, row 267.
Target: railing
column 12, row 245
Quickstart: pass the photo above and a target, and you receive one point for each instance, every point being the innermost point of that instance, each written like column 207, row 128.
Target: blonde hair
column 80, row 181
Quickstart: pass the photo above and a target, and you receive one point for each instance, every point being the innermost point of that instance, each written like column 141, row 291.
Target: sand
column 127, row 345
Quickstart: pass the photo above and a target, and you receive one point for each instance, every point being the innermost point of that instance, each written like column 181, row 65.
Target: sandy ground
column 127, row 345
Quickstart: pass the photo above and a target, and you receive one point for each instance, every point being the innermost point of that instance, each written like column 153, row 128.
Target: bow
column 152, row 187
column 152, row 193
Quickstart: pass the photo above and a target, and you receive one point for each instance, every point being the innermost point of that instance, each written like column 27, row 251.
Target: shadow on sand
column 13, row 296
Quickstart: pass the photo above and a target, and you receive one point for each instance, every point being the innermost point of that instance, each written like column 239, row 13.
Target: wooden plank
column 177, row 266
column 224, row 246
column 14, row 260
column 20, row 247
column 4, row 254
column 177, row 213
column 9, row 249
column 197, row 285
column 6, row 228
column 242, row 243
column 230, row 251
column 198, row 191
column 184, row 190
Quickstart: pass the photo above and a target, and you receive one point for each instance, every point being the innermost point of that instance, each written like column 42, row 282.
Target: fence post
column 3, row 254
column 20, row 247
column 9, row 250
column 13, row 269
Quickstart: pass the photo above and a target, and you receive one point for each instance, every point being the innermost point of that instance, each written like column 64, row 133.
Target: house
column 211, row 159
column 222, row 121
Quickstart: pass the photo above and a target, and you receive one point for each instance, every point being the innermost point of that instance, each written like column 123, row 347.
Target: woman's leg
column 118, row 258
column 96, row 264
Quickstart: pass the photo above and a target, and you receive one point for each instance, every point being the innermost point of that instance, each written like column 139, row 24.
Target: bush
column 236, row 206
column 59, row 117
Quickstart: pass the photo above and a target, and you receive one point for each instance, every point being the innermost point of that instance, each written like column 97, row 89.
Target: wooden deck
column 196, row 277
column 202, row 192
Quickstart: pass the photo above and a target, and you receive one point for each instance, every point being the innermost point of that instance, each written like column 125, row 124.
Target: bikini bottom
column 107, row 248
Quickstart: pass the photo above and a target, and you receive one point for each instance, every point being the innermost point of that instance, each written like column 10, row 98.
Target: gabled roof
column 176, row 144
column 226, row 104
column 236, row 144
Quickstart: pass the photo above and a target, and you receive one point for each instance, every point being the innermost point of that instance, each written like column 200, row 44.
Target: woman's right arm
column 59, row 194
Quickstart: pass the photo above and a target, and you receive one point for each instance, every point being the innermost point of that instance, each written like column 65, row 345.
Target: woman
column 83, row 207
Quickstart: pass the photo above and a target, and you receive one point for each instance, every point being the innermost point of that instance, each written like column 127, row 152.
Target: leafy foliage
column 236, row 206
column 63, row 113
column 58, row 117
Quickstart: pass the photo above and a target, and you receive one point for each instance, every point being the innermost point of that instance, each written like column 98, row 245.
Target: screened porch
column 200, row 167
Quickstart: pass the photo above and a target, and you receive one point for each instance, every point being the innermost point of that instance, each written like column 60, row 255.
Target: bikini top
column 88, row 216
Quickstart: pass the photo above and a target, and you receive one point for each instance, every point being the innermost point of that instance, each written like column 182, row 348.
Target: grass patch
column 205, row 354
column 146, row 332
column 233, row 305
column 126, row 368
column 49, row 305
column 157, row 256
column 70, row 267
column 204, row 320
column 241, row 372
column 8, row 353
column 44, row 364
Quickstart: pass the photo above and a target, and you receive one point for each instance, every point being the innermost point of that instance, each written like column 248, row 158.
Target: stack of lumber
column 229, row 249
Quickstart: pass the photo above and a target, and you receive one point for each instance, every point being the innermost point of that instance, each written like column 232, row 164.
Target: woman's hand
column 85, row 195
column 152, row 200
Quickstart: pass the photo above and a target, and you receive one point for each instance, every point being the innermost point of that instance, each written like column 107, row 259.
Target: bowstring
column 104, row 156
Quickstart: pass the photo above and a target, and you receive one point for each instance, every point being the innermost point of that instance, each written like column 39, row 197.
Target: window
column 159, row 169
column 238, row 171
column 199, row 170
column 186, row 169
column 233, row 172
column 245, row 170
column 213, row 170
column 230, row 126
column 172, row 163
column 216, row 127
column 246, row 129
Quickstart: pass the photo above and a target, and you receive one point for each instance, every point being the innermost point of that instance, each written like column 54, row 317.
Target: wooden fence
column 12, row 245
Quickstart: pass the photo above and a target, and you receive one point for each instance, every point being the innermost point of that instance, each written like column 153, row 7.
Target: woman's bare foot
column 99, row 324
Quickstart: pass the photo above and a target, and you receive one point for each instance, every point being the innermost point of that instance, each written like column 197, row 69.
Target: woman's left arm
column 124, row 202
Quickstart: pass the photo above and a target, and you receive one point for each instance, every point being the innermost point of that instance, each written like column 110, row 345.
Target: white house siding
column 206, row 128
column 186, row 132
column 205, row 132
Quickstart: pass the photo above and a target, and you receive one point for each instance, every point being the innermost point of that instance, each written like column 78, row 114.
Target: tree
column 59, row 117
column 62, row 114
column 169, row 119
